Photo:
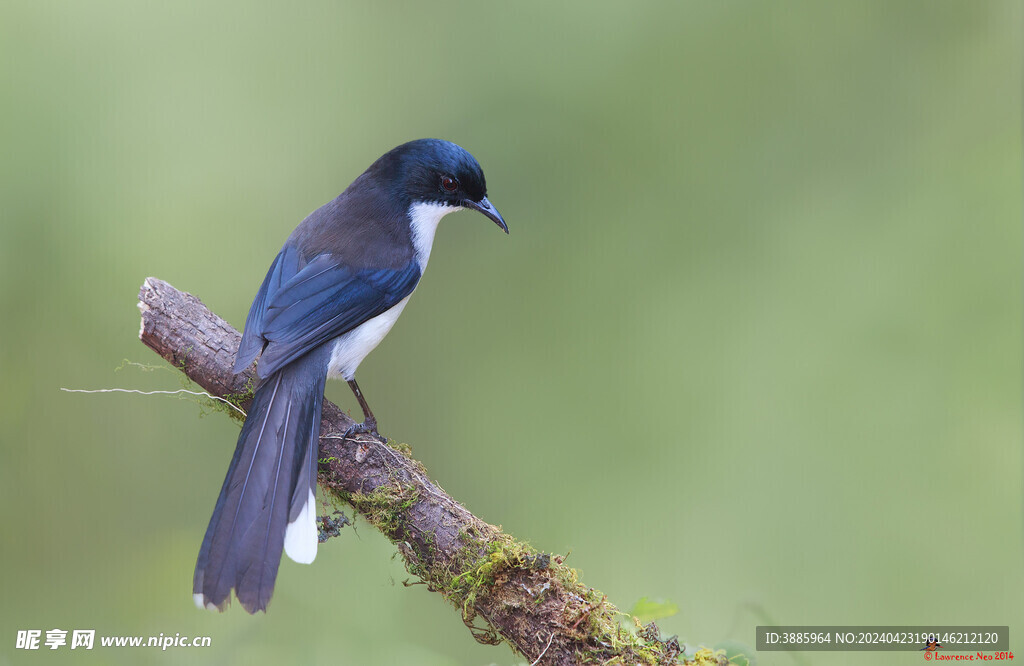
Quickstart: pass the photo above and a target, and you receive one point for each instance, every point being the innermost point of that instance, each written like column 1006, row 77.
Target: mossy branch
column 503, row 588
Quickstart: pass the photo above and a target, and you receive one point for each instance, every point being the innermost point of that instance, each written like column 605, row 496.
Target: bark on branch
column 530, row 599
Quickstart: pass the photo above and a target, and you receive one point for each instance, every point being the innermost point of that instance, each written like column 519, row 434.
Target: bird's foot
column 367, row 427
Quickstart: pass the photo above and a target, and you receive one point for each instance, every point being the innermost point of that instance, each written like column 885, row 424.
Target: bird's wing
column 295, row 314
column 284, row 267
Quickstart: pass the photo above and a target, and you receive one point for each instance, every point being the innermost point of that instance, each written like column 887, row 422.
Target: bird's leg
column 369, row 424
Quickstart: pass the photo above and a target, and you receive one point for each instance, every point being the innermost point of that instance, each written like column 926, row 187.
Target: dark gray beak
column 485, row 207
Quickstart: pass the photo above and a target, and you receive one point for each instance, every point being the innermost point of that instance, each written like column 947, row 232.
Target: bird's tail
column 267, row 500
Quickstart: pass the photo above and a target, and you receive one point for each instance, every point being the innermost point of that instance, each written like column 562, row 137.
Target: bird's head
column 432, row 171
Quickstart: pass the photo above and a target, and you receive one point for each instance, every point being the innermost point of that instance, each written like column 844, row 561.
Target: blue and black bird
column 330, row 296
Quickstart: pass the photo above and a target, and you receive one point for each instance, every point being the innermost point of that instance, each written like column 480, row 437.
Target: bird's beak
column 485, row 207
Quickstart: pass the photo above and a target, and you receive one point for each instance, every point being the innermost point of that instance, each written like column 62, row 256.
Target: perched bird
column 330, row 296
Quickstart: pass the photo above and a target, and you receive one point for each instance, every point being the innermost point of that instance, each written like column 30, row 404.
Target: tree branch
column 530, row 599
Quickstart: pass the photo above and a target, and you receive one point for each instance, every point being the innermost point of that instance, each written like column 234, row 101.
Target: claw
column 367, row 427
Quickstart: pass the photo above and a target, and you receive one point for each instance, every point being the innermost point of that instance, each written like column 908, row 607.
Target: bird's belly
column 351, row 348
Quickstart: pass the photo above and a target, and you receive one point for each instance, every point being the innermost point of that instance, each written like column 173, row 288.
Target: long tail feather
column 268, row 492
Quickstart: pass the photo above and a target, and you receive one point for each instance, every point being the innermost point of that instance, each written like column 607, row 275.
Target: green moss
column 243, row 396
column 385, row 507
column 401, row 447
column 180, row 364
column 708, row 657
column 600, row 623
column 230, row 403
column 479, row 569
column 235, row 410
column 405, row 451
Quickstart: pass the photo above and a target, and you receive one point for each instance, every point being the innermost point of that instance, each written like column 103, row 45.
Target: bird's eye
column 449, row 183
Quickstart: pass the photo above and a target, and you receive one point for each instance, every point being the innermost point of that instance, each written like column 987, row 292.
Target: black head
column 436, row 171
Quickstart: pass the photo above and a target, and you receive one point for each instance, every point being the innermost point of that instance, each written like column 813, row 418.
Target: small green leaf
column 648, row 610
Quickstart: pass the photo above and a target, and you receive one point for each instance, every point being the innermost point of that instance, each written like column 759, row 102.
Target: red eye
column 449, row 183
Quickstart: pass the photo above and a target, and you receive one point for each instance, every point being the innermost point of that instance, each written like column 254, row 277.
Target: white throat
column 424, row 219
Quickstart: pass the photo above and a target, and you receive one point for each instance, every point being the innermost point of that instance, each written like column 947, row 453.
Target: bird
column 330, row 296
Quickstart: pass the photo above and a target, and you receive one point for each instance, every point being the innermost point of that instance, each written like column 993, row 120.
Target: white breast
column 351, row 348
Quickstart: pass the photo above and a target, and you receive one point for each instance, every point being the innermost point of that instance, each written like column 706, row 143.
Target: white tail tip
column 300, row 538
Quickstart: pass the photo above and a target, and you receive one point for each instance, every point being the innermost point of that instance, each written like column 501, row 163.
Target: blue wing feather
column 284, row 267
column 297, row 311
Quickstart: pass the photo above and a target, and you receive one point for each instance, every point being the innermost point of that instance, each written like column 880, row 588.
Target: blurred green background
column 753, row 344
